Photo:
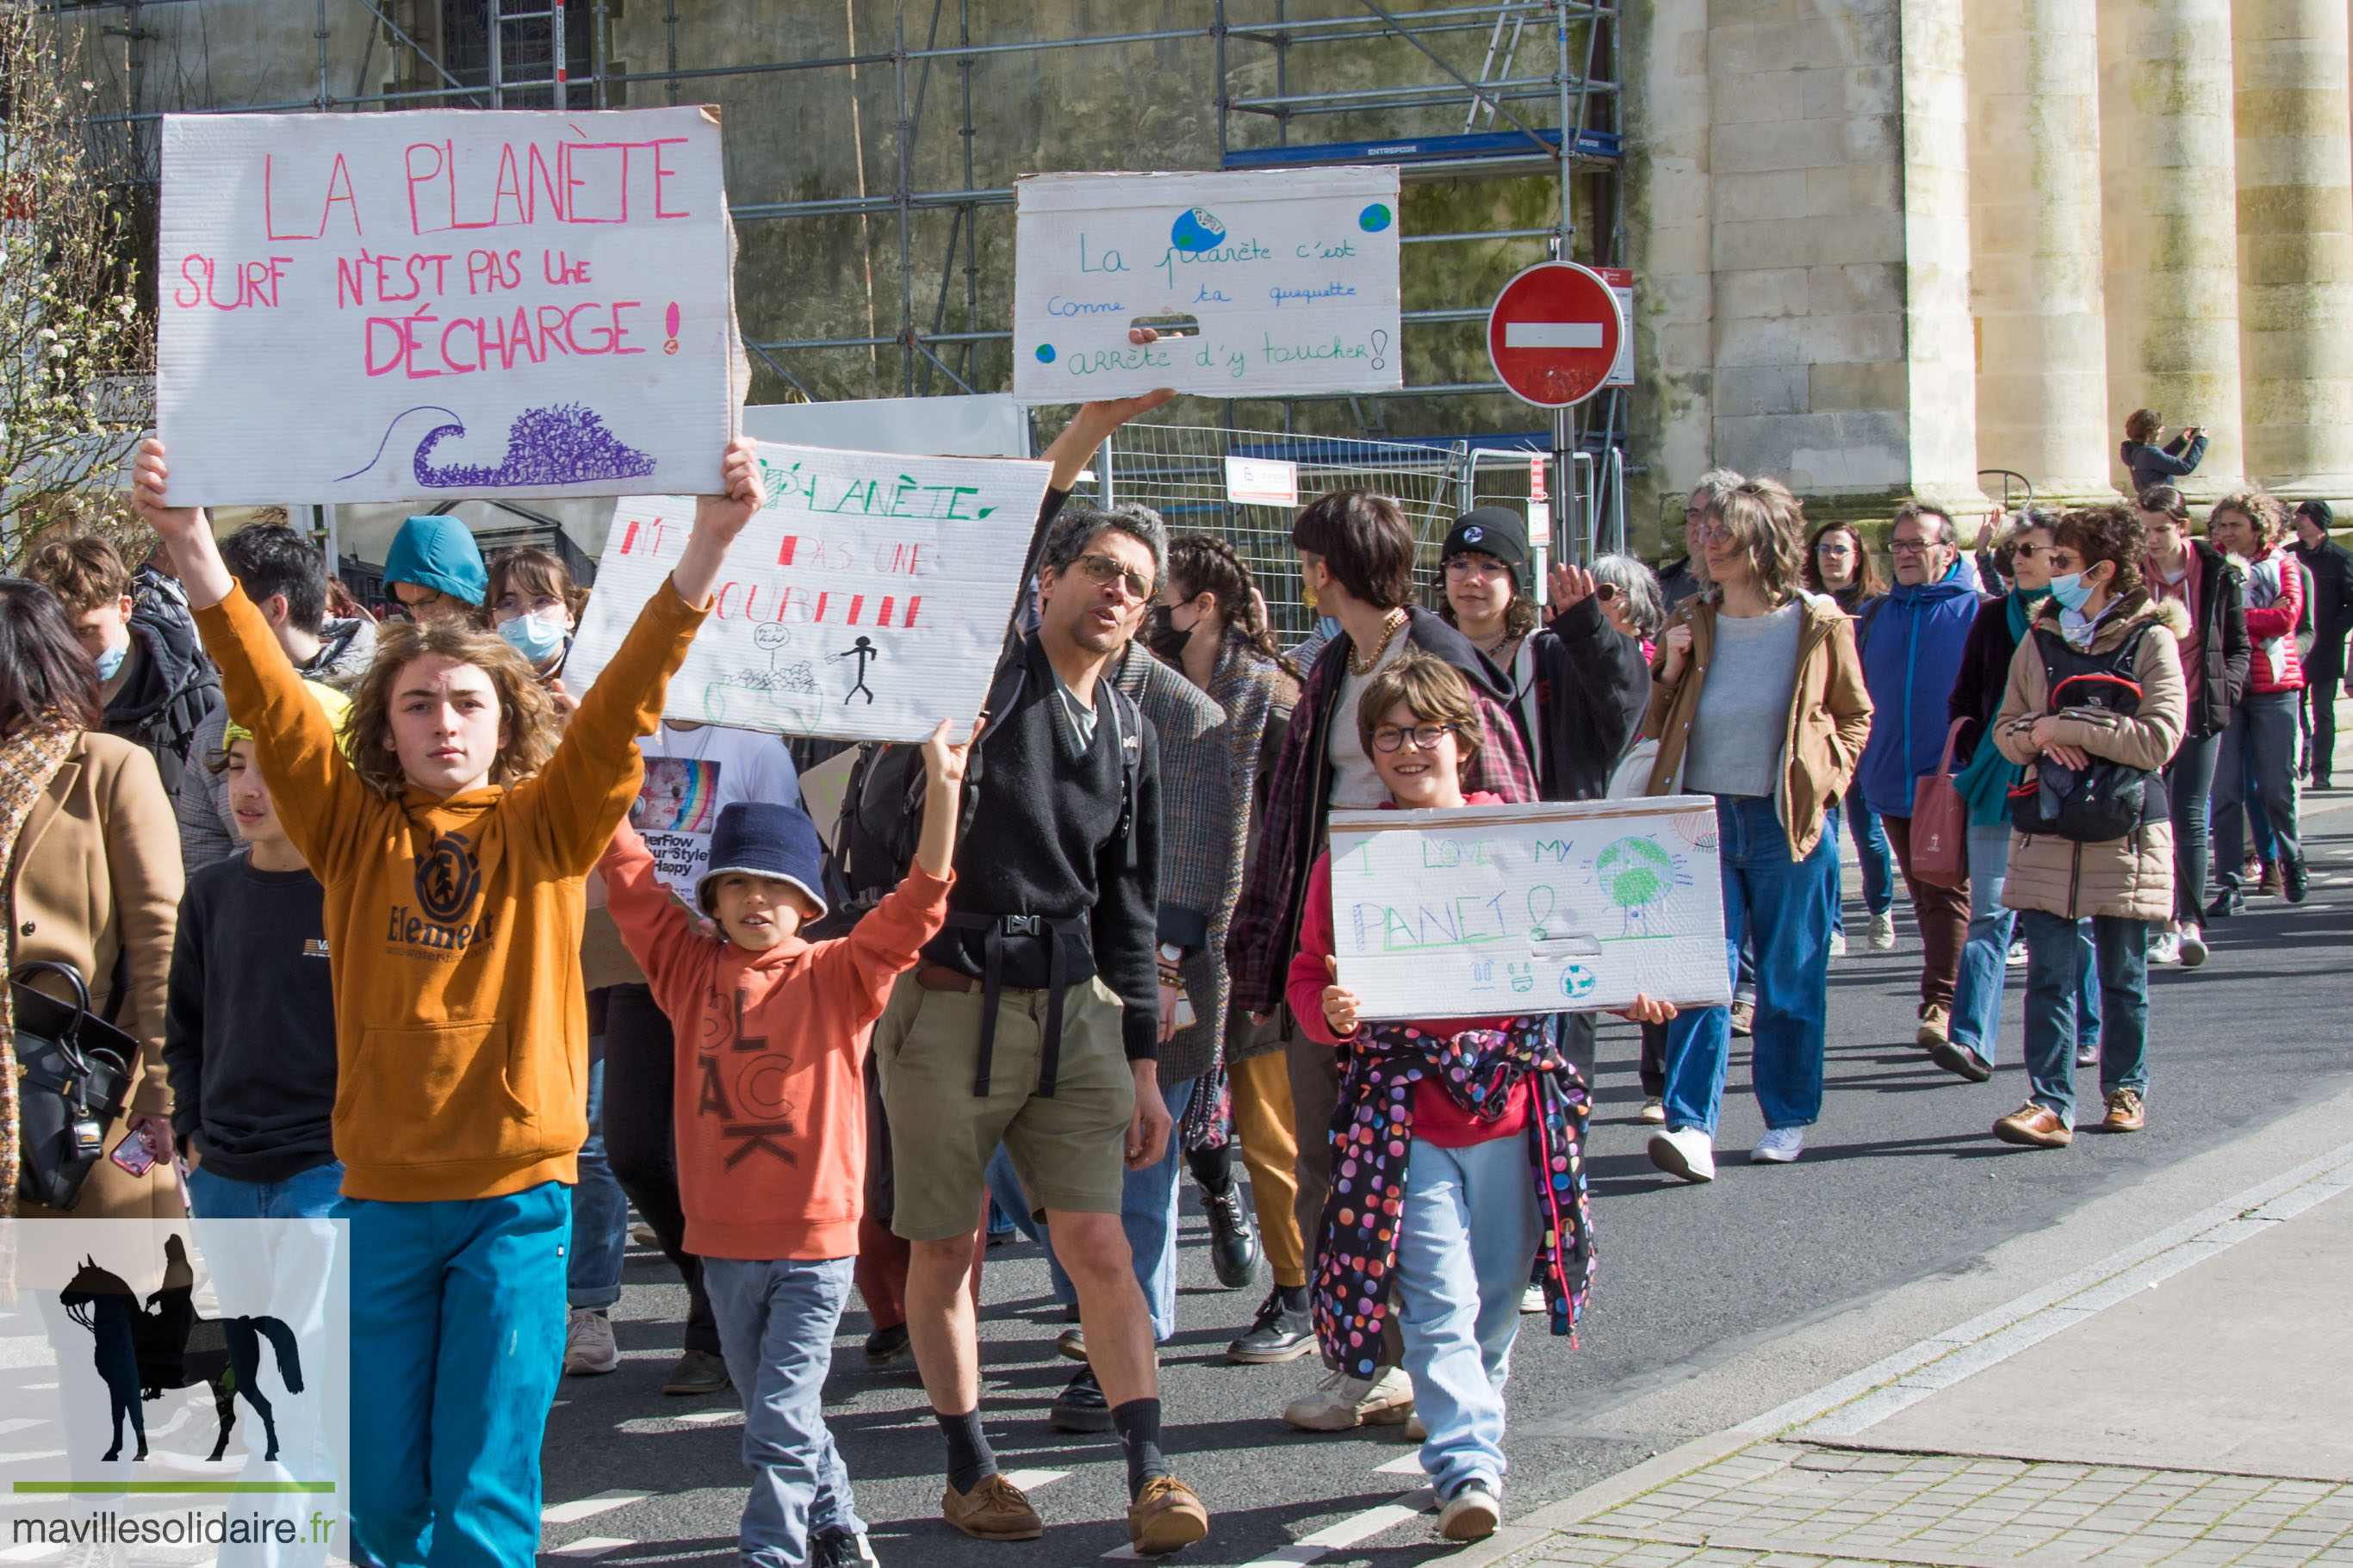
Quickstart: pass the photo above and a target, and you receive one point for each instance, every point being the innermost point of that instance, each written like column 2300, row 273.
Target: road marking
column 1552, row 334
column 1331, row 1538
column 573, row 1513
column 1863, row 1399
column 709, row 1417
column 1404, row 1465
column 589, row 1546
column 1030, row 1481
column 20, row 1423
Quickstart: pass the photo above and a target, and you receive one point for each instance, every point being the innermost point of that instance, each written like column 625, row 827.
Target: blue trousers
column 1871, row 851
column 307, row 1195
column 2054, row 964
column 776, row 1323
column 1984, row 956
column 1466, row 1245
column 1786, row 907
column 457, row 1346
column 600, row 1212
column 1147, row 1212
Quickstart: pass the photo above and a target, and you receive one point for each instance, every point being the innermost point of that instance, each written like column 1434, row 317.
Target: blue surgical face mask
column 536, row 639
column 2071, row 592
column 112, row 660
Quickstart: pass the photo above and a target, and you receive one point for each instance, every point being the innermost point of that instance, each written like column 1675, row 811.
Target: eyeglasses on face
column 1475, row 566
column 1833, row 547
column 1914, row 546
column 1102, row 570
column 1425, row 737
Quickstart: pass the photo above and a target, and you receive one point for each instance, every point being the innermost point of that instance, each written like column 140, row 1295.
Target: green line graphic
column 173, row 1488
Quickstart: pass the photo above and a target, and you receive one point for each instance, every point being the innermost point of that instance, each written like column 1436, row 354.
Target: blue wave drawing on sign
column 565, row 445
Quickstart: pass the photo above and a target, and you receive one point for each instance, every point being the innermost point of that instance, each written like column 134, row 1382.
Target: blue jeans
column 1984, row 956
column 456, row 1347
column 306, row 1194
column 776, row 1323
column 1147, row 1212
column 600, row 1212
column 1458, row 1297
column 1878, row 861
column 2054, row 975
column 1786, row 905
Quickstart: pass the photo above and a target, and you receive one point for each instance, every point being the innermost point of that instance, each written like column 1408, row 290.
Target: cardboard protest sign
column 1261, row 284
column 866, row 602
column 1561, row 906
column 442, row 302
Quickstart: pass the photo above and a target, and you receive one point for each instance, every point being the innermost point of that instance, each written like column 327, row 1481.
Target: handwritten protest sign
column 866, row 602
column 383, row 306
column 1561, row 906
column 1261, row 284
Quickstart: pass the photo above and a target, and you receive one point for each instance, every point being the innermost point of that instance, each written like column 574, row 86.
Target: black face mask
column 1161, row 636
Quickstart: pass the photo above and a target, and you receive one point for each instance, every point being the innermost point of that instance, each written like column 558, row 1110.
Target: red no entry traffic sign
column 1553, row 333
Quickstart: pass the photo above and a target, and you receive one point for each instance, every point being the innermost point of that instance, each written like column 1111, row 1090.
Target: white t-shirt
column 1355, row 783
column 691, row 774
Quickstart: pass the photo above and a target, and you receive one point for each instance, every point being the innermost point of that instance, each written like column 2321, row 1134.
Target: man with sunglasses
column 1912, row 645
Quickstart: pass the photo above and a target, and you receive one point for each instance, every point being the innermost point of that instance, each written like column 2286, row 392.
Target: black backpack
column 167, row 729
column 2107, row 800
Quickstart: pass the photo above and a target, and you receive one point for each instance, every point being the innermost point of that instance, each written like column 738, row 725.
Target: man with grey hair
column 1679, row 580
column 1033, row 1020
column 1912, row 640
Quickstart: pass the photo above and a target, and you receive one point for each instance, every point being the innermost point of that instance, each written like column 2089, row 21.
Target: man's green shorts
column 1069, row 1150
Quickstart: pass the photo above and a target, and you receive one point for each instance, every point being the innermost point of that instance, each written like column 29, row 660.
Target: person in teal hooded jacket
column 1911, row 641
column 434, row 570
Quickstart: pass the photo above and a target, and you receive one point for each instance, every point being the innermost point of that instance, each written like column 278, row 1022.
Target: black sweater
column 1592, row 688
column 1043, row 840
column 249, row 1023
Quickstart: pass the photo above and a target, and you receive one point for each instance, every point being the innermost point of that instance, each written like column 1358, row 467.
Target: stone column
column 2295, row 244
column 1940, row 352
column 1668, row 226
column 2034, row 234
column 2168, row 212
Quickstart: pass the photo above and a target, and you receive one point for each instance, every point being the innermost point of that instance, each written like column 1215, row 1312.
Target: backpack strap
column 1864, row 622
column 1127, row 733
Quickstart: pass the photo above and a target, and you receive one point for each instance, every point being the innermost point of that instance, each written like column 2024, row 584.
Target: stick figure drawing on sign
column 861, row 650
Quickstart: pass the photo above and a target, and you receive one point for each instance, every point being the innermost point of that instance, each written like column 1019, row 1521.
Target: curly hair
column 1768, row 523
column 2260, row 508
column 81, row 569
column 1204, row 564
column 2143, row 423
column 1519, row 615
column 1433, row 691
column 525, row 707
column 2110, row 533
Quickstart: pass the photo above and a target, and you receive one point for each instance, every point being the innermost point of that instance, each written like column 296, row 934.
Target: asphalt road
column 1901, row 1184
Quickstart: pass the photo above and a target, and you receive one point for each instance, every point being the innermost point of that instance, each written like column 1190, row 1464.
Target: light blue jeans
column 600, row 1212
column 1147, row 1212
column 776, row 1323
column 1984, row 956
column 1459, row 1287
column 306, row 1194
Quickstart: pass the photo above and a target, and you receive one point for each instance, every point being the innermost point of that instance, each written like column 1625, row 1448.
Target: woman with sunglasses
column 1839, row 564
column 1759, row 701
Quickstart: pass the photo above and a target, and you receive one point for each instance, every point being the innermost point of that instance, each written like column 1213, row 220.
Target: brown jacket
column 2129, row 878
column 1829, row 714
column 96, row 873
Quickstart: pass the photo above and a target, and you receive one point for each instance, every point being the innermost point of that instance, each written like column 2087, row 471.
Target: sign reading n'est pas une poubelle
column 1259, row 284
column 387, row 307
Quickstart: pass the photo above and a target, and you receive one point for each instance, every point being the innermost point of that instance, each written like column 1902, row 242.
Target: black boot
column 1233, row 1248
column 1284, row 1330
column 2296, row 877
column 1081, row 1407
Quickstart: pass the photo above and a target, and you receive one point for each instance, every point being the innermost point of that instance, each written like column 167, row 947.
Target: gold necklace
column 1388, row 636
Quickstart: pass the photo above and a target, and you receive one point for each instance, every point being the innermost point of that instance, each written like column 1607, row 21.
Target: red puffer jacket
column 2275, row 603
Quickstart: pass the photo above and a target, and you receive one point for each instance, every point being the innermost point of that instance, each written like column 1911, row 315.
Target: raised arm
column 659, row 933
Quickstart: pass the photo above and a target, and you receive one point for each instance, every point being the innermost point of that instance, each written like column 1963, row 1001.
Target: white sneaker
column 588, row 1347
column 1838, row 944
column 1684, row 1151
column 1532, row 1299
column 2165, row 948
column 2087, row 1056
column 1883, row 930
column 1654, row 1112
column 1780, row 1146
column 1415, row 1432
column 2193, row 947
column 1470, row 1514
column 2016, row 958
column 1341, row 1403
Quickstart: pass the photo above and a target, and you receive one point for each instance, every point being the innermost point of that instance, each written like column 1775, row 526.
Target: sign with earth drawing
column 1554, row 907
column 867, row 600
column 1259, row 284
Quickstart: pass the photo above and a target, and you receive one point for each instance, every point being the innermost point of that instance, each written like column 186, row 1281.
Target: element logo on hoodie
column 448, row 881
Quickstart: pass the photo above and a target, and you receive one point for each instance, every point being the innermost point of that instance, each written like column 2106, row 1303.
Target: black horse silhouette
column 142, row 1351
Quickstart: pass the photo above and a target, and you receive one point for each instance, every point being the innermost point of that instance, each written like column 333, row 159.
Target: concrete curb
column 1610, row 1492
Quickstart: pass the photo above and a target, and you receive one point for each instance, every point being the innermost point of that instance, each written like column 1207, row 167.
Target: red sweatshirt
column 771, row 1102
column 1435, row 1118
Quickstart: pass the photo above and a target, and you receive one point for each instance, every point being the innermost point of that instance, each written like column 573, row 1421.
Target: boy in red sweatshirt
column 771, row 1119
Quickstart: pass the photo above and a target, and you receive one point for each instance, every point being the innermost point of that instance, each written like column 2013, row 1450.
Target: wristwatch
column 1171, row 954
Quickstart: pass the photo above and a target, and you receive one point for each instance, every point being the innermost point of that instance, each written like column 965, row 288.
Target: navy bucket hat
column 762, row 838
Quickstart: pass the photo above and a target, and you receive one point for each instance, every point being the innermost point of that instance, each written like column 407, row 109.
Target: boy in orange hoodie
column 454, row 841
column 771, row 1119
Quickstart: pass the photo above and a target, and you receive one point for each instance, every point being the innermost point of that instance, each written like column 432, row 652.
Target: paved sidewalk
column 2105, row 1420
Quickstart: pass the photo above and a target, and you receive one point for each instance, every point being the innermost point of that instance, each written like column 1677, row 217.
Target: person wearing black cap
column 2331, row 565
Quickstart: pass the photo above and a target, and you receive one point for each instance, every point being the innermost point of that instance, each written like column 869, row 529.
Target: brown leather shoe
column 1165, row 1516
column 2126, row 1112
column 2036, row 1126
column 2270, row 885
column 995, row 1509
column 1936, row 1027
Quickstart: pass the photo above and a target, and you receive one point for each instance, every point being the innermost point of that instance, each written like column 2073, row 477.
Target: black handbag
column 75, row 1080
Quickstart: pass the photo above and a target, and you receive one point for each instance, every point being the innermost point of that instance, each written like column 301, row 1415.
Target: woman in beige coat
column 92, row 876
column 2098, row 616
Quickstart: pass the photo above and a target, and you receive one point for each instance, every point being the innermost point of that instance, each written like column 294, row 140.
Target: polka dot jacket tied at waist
column 1372, row 1133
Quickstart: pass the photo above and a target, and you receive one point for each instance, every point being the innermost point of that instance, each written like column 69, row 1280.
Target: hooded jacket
column 2162, row 465
column 2274, row 606
column 169, row 689
column 2129, row 878
column 438, row 552
column 1911, row 648
column 1592, row 685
